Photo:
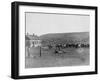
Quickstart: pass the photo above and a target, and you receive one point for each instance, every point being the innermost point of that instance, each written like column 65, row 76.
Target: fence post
column 40, row 51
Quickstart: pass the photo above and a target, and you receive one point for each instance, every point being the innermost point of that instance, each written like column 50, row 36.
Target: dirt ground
column 71, row 57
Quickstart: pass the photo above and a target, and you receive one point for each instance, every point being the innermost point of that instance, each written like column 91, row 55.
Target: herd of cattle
column 58, row 47
column 69, row 46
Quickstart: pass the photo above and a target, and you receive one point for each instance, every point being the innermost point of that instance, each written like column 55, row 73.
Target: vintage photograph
column 52, row 40
column 56, row 40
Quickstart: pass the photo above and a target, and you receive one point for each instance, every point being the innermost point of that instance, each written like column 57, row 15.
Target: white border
column 51, row 70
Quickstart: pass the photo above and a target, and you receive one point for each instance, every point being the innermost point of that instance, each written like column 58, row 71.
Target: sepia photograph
column 55, row 40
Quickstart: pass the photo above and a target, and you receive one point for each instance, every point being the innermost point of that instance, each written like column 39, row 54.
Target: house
column 34, row 40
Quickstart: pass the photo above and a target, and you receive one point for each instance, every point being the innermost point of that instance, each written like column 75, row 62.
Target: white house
column 34, row 41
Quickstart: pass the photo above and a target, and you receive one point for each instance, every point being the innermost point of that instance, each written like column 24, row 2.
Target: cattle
column 59, row 47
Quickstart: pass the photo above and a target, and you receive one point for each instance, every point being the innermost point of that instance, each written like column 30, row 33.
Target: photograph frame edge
column 14, row 40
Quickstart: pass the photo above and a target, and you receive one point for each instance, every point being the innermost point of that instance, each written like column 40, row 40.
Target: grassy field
column 48, row 58
column 70, row 57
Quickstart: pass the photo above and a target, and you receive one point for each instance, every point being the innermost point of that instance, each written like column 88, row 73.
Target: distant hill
column 55, row 38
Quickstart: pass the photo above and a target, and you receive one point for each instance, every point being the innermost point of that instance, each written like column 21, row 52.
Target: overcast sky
column 39, row 23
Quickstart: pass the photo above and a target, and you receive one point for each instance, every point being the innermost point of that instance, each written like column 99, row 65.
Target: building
column 34, row 40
